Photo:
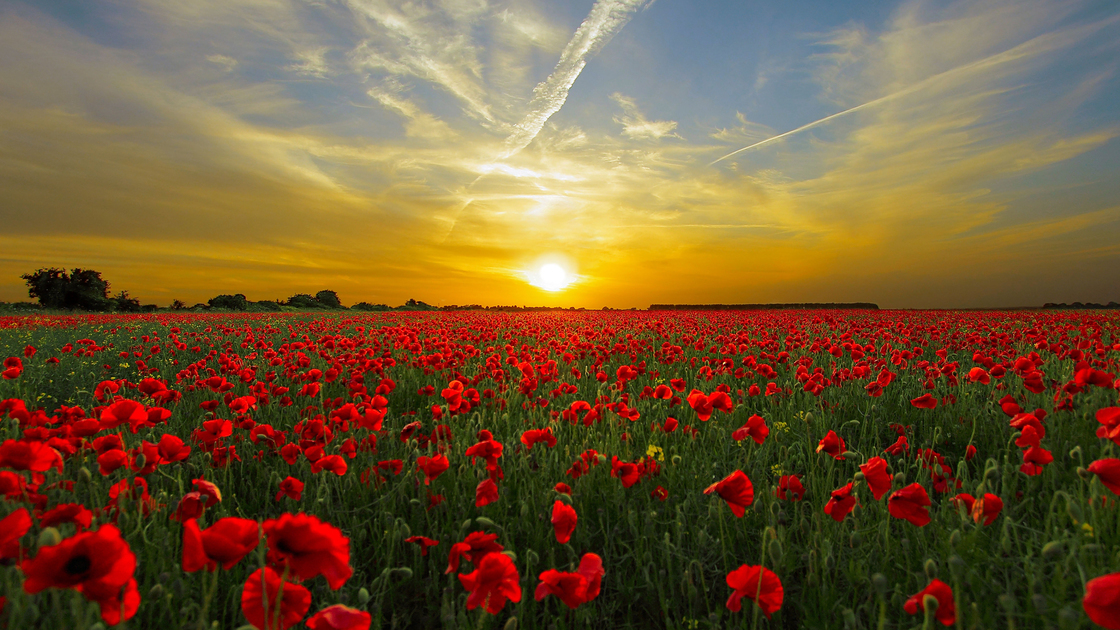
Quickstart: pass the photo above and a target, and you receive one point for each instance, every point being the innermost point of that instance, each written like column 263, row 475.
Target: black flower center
column 78, row 565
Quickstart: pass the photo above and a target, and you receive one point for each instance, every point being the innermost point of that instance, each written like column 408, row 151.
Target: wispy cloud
column 635, row 125
column 606, row 19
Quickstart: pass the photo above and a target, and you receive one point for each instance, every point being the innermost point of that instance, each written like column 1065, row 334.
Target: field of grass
column 1012, row 408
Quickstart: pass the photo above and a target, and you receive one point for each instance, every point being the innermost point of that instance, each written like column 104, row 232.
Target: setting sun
column 553, row 277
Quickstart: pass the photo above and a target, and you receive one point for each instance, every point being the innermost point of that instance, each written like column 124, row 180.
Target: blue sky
column 445, row 150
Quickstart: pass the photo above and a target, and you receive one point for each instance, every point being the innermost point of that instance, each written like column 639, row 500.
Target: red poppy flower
column 755, row 428
column 964, row 499
column 192, row 505
column 736, row 489
column 925, row 401
column 75, row 513
column 1108, row 471
column 563, row 488
column 332, row 463
column 339, row 617
column 574, row 589
column 225, row 542
column 840, row 503
column 563, row 521
column 969, row 453
column 987, row 508
column 1102, row 601
column 123, row 411
column 659, row 493
column 946, row 608
column 758, row 584
column 628, row 472
column 910, row 503
column 291, row 488
column 98, row 564
column 876, row 476
column 486, row 492
column 109, row 461
column 534, row 436
column 832, row 444
column 900, row 445
column 432, row 467
column 663, row 392
column 493, row 583
column 790, row 484
column 700, row 404
column 12, row 528
column 33, row 456
column 308, row 547
column 979, row 375
column 209, row 490
column 1034, row 458
column 474, row 547
column 424, row 543
column 287, row 609
column 13, row 367
column 1109, row 417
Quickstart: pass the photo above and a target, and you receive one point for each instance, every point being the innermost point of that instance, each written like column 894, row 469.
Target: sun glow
column 553, row 277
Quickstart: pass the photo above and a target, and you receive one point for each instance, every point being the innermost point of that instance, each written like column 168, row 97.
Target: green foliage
column 236, row 302
column 81, row 289
column 329, row 299
column 366, row 306
column 122, row 303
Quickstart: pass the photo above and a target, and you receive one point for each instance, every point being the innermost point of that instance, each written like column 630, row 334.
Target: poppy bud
column 830, row 562
column 775, row 552
column 404, row 530
column 1075, row 452
column 1084, row 474
column 1038, row 600
column 929, row 604
column 140, row 461
column 957, row 566
column 1053, row 549
column 156, row 592
column 855, row 540
column 531, row 558
column 783, row 520
column 1007, row 601
column 525, row 509
column 880, row 582
column 676, row 459
column 955, row 538
column 511, row 624
column 931, row 568
column 849, row 454
column 400, row 573
column 465, row 526
column 49, row 537
column 808, row 417
column 485, row 522
column 1074, row 511
column 512, row 555
column 83, row 474
column 363, row 596
column 415, row 502
column 900, row 479
column 849, row 618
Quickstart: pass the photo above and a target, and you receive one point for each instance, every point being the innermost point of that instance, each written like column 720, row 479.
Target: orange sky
column 957, row 154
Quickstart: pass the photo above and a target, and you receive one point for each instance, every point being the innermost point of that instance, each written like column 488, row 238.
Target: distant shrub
column 264, row 306
column 366, row 306
column 236, row 302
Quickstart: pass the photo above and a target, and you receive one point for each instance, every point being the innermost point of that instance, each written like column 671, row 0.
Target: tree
column 328, row 299
column 236, row 302
column 122, row 303
column 178, row 305
column 80, row 289
column 303, row 301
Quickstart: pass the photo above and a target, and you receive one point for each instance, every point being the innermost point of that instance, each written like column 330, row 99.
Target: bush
column 122, row 303
column 264, row 306
column 80, row 289
column 366, row 306
column 237, row 302
column 329, row 299
column 303, row 301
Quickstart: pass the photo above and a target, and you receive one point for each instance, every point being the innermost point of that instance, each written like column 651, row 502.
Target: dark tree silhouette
column 80, row 289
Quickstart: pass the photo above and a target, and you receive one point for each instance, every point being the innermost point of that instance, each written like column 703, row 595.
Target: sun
column 552, row 277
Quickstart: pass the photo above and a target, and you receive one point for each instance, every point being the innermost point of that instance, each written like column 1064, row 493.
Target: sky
column 911, row 154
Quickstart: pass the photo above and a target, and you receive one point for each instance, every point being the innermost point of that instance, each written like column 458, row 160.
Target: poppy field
column 686, row 469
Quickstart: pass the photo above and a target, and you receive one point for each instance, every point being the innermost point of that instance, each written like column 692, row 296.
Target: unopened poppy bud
column 855, row 540
column 49, row 537
column 1053, row 549
column 83, row 474
column 929, row 604
column 400, row 573
column 849, row 454
column 511, row 624
column 955, row 538
column 512, row 555
column 363, row 596
column 1038, row 600
column 957, row 566
column 1075, row 452
column 900, row 478
column 1007, row 602
column 1074, row 512
column 140, row 461
column 466, row 525
column 775, row 551
column 859, row 476
column 849, row 618
column 808, row 416
column 1084, row 474
column 414, row 501
column 931, row 568
column 97, row 626
column 404, row 530
column 676, row 459
column 524, row 509
column 880, row 582
column 783, row 519
column 829, row 563
column 485, row 522
column 156, row 592
column 531, row 558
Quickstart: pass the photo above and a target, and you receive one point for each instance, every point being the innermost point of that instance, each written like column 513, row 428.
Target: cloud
column 227, row 63
column 311, row 63
column 420, row 124
column 606, row 19
column 635, row 125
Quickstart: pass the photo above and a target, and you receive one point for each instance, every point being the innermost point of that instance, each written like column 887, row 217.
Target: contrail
column 606, row 19
column 1037, row 45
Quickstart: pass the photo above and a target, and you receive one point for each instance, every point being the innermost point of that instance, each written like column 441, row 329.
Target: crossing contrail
column 606, row 19
column 1038, row 45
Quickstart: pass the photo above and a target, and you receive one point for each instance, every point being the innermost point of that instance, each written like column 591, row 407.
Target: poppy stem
column 207, row 597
